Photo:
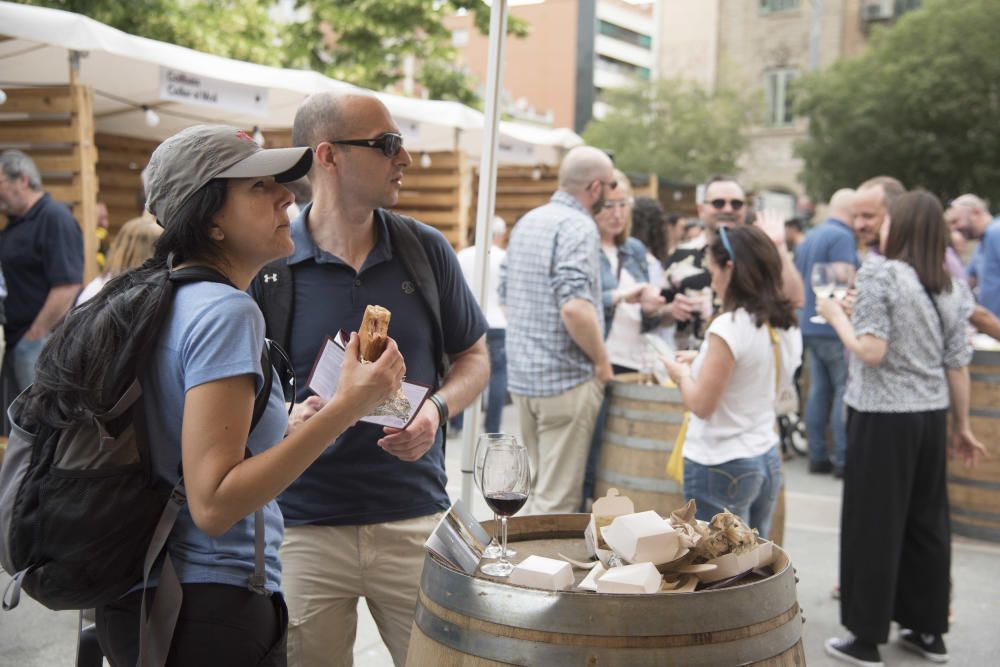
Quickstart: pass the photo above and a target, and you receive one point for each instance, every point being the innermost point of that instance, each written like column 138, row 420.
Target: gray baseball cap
column 187, row 161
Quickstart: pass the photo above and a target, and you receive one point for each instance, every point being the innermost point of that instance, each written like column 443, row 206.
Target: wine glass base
column 502, row 569
column 493, row 552
column 817, row 319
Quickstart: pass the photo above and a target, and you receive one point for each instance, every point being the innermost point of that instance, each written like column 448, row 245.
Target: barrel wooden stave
column 642, row 425
column 479, row 622
column 974, row 493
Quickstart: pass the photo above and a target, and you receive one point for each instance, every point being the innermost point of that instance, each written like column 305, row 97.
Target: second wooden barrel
column 639, row 435
column 974, row 494
column 465, row 621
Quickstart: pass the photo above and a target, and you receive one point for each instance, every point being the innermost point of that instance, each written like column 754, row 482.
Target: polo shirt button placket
column 357, row 282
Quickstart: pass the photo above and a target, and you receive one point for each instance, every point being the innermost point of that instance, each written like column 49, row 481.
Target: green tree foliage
column 364, row 42
column 921, row 104
column 673, row 128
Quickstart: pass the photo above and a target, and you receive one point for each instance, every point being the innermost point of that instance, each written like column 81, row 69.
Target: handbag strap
column 777, row 357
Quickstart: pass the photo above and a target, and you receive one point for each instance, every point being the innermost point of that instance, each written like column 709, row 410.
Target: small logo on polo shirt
column 408, row 287
column 270, row 277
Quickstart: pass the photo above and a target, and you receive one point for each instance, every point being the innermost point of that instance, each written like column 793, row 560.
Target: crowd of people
column 571, row 295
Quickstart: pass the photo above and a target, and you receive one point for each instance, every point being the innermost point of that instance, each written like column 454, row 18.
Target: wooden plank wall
column 519, row 189
column 55, row 126
column 119, row 169
column 440, row 195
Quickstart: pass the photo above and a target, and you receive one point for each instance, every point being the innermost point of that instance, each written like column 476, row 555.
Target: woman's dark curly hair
column 648, row 220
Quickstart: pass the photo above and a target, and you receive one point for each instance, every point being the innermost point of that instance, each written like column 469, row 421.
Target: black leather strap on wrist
column 442, row 407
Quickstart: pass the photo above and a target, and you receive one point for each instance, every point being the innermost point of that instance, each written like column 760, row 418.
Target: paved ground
column 32, row 636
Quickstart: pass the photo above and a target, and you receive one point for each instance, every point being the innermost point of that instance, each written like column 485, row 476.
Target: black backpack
column 83, row 518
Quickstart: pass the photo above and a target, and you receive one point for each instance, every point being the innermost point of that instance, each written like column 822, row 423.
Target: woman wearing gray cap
column 222, row 204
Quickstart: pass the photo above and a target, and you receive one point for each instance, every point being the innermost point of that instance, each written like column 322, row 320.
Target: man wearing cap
column 357, row 519
column 41, row 251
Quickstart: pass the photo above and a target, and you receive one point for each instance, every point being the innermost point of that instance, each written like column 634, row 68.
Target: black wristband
column 442, row 407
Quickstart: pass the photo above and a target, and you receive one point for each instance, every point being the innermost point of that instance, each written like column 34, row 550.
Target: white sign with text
column 179, row 86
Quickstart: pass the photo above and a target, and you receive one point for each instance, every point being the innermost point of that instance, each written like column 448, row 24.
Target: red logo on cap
column 245, row 137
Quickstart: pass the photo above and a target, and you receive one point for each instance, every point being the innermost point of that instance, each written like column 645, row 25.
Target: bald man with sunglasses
column 724, row 203
column 356, row 520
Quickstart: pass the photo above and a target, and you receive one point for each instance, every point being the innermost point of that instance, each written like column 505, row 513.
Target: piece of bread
column 374, row 332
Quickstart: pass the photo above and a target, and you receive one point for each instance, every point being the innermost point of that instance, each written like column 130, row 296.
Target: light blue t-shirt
column 213, row 332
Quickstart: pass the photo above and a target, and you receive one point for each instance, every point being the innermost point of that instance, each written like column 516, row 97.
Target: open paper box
column 644, row 537
column 605, row 511
column 545, row 573
column 730, row 565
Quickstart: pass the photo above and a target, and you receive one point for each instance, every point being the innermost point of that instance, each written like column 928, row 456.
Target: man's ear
column 325, row 156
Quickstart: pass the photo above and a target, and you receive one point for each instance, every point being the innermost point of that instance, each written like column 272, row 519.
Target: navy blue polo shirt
column 355, row 482
column 39, row 250
column 832, row 241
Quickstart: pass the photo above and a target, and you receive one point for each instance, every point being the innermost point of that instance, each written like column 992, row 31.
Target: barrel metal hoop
column 645, row 392
column 985, row 358
column 990, row 413
column 633, row 442
column 573, row 612
column 975, row 530
column 531, row 653
column 645, row 415
column 975, row 514
column 984, row 377
column 648, row 484
column 976, row 483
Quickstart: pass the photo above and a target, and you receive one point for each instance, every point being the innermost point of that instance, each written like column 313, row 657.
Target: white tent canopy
column 125, row 70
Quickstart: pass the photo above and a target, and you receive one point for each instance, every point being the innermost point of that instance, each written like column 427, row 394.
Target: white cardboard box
column 589, row 582
column 630, row 579
column 643, row 537
column 604, row 511
column 541, row 572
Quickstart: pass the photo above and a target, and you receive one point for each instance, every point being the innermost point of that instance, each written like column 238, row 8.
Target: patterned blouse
column 892, row 305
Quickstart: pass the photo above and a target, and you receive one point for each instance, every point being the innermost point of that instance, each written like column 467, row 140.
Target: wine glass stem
column 503, row 531
column 496, row 526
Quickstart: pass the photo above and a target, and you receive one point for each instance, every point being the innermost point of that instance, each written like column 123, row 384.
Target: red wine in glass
column 506, row 503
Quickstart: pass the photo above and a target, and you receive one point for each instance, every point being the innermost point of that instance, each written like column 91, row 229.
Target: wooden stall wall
column 55, row 126
column 519, row 189
column 119, row 168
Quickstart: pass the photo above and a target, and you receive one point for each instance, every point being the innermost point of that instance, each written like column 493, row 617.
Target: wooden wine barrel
column 465, row 621
column 974, row 494
column 639, row 435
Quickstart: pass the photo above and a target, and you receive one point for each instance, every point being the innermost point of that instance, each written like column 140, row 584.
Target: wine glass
column 486, row 440
column 505, row 488
column 822, row 281
column 843, row 279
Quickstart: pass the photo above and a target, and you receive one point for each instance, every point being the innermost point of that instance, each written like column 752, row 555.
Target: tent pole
column 484, row 217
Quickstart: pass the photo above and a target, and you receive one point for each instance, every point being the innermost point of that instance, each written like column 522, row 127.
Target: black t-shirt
column 38, row 251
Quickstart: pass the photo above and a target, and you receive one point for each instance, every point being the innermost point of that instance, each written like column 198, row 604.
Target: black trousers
column 218, row 626
column 895, row 539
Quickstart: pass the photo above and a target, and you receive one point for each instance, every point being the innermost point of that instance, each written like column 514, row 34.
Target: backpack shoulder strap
column 405, row 236
column 274, row 291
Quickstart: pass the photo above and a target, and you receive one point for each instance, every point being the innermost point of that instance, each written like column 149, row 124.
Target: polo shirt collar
column 841, row 223
column 566, row 199
column 32, row 212
column 306, row 248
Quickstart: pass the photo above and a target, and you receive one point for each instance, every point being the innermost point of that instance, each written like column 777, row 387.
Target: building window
column 777, row 83
column 459, row 38
column 903, row 6
column 768, row 6
column 625, row 35
column 615, row 66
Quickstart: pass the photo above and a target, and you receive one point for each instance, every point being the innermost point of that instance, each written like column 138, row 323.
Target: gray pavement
column 32, row 636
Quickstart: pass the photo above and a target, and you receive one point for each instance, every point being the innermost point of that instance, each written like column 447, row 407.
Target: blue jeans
column 23, row 358
column 825, row 404
column 746, row 487
column 496, row 391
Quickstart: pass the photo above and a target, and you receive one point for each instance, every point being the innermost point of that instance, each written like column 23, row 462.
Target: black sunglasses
column 389, row 143
column 720, row 204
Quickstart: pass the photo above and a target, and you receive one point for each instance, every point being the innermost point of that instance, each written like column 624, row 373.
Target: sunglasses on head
column 389, row 143
column 720, row 204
